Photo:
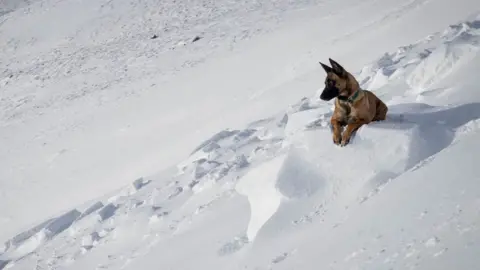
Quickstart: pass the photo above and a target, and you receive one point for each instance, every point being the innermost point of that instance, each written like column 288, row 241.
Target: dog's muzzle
column 329, row 93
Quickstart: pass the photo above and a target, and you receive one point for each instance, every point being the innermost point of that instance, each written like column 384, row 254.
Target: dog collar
column 351, row 98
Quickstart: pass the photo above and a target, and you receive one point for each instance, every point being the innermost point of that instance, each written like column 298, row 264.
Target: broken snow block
column 107, row 211
column 91, row 209
column 61, row 223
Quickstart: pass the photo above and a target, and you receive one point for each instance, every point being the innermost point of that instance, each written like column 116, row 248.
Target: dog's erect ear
column 337, row 68
column 327, row 68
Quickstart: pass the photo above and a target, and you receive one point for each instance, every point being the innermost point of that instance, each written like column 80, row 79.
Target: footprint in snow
column 440, row 252
column 432, row 242
column 89, row 241
column 280, row 258
column 175, row 193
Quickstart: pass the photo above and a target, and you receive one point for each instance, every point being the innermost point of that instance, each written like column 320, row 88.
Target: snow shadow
column 435, row 125
column 425, row 115
column 297, row 178
column 432, row 129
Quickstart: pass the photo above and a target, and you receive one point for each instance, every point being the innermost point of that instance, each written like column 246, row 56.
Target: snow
column 184, row 135
column 263, row 197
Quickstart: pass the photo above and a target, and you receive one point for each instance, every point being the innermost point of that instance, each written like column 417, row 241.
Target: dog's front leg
column 337, row 130
column 351, row 127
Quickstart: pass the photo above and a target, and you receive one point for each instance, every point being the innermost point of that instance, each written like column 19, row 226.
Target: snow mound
column 441, row 61
column 378, row 153
column 411, row 134
column 427, row 62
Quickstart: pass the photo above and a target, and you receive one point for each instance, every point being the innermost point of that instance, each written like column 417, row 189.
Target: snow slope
column 92, row 104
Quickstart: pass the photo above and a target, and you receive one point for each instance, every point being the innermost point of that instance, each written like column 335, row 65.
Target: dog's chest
column 346, row 111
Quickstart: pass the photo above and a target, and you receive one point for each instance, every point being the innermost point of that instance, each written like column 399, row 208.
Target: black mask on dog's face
column 335, row 72
column 330, row 91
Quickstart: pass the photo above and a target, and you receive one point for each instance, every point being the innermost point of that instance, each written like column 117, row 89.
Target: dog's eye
column 331, row 82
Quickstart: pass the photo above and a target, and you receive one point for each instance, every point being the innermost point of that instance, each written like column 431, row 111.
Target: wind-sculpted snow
column 278, row 194
column 280, row 184
column 423, row 64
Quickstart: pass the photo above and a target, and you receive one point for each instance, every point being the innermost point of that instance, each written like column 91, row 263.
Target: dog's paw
column 337, row 139
column 345, row 141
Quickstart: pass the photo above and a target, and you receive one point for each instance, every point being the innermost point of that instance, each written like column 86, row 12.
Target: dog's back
column 374, row 107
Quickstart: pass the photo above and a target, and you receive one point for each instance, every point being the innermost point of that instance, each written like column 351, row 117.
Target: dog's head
column 335, row 82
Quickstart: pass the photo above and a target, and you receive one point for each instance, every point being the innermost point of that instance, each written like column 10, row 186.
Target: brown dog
column 354, row 107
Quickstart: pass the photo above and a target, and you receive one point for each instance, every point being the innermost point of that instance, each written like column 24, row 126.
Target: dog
column 354, row 107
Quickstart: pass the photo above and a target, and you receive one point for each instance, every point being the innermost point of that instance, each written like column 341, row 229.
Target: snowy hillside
column 104, row 120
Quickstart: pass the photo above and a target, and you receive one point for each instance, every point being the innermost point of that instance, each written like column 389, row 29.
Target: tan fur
column 366, row 108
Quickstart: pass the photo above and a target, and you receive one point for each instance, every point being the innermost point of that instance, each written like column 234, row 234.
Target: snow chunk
column 258, row 185
column 107, row 211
